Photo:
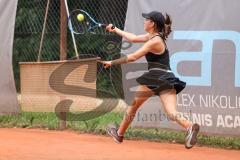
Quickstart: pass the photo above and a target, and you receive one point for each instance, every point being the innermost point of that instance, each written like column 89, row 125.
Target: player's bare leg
column 142, row 94
column 169, row 101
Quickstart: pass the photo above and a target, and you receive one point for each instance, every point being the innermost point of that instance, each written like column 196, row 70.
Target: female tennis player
column 159, row 80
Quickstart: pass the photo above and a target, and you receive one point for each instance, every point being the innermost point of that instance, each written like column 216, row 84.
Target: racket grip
column 105, row 25
column 113, row 27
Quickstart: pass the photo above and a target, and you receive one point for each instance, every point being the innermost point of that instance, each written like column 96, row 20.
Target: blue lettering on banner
column 205, row 56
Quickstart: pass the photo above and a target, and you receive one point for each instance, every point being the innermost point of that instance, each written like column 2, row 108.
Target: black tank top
column 158, row 61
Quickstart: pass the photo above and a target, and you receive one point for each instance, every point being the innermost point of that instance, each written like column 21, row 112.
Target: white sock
column 189, row 127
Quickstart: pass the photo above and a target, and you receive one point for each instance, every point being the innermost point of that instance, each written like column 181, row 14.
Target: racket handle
column 105, row 25
column 113, row 27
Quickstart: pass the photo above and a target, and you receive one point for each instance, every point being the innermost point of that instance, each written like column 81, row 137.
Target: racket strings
column 77, row 26
column 87, row 24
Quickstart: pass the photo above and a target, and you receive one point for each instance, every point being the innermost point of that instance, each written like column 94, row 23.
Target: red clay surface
column 36, row 144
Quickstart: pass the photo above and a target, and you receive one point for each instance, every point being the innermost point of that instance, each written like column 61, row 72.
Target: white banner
column 8, row 95
column 204, row 52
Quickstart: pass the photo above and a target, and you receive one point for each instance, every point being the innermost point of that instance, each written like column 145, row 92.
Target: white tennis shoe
column 191, row 137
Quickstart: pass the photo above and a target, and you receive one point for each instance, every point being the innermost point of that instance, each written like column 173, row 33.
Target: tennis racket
column 87, row 24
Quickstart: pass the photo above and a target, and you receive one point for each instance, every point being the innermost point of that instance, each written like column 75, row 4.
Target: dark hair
column 168, row 26
column 167, row 29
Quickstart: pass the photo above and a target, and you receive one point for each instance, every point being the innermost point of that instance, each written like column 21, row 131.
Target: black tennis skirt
column 160, row 80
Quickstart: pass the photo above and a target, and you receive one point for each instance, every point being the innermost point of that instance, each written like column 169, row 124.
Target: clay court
column 29, row 144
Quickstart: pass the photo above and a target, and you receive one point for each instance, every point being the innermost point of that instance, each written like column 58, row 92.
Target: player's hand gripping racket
column 80, row 22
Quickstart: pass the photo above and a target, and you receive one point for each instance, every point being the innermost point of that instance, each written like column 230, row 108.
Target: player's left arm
column 147, row 47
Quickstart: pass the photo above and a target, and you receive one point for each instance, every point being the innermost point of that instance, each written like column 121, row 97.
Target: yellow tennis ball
column 80, row 17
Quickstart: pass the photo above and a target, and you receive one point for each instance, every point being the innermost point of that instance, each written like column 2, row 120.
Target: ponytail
column 168, row 26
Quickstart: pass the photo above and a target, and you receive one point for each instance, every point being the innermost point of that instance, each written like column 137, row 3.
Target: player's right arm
column 129, row 36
